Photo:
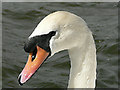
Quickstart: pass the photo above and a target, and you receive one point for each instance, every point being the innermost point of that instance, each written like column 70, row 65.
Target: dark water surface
column 20, row 19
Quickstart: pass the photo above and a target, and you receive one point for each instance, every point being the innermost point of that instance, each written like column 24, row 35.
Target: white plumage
column 74, row 35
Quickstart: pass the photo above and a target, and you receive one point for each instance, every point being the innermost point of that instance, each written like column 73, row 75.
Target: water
column 20, row 19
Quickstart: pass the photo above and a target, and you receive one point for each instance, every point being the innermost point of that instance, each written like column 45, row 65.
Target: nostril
column 34, row 54
column 33, row 57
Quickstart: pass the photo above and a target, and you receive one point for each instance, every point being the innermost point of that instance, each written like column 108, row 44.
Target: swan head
column 54, row 33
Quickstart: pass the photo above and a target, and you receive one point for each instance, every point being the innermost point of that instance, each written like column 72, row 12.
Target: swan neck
column 83, row 65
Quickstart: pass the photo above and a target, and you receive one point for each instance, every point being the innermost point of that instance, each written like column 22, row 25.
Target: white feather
column 74, row 35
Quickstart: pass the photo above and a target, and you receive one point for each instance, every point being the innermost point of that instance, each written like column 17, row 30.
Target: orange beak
column 32, row 66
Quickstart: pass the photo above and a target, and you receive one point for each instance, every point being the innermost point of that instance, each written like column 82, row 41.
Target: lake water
column 20, row 19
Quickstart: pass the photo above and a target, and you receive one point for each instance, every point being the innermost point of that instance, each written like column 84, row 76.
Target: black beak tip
column 19, row 78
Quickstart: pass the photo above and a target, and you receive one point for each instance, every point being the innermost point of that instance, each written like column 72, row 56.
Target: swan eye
column 42, row 41
column 52, row 33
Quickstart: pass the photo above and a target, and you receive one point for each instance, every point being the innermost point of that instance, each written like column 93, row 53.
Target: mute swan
column 59, row 31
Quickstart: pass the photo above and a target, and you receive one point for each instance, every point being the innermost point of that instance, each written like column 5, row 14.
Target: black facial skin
column 42, row 41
